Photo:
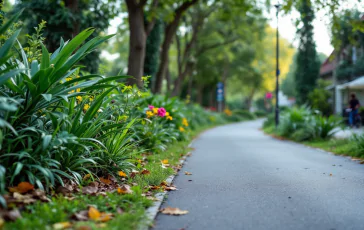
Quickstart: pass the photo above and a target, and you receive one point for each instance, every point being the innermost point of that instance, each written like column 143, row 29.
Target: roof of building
column 328, row 66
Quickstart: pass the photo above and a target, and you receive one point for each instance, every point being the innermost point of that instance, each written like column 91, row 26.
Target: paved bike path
column 243, row 179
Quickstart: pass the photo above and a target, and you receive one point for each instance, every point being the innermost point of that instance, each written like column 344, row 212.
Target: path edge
column 152, row 212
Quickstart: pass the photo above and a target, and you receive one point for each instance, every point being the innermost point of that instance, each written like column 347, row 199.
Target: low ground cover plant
column 304, row 124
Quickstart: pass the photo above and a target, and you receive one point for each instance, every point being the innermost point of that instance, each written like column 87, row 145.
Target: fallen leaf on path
column 188, row 173
column 189, row 154
column 173, row 211
column 62, row 225
column 105, row 180
column 330, row 174
column 22, row 187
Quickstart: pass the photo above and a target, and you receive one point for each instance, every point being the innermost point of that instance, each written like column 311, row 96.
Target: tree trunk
column 212, row 97
column 73, row 6
column 199, row 98
column 169, row 32
column 250, row 98
column 137, row 43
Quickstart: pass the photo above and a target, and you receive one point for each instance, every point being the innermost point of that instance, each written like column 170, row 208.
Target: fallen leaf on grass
column 93, row 213
column 89, row 190
column 22, row 187
column 173, row 211
column 188, row 173
column 125, row 189
column 2, row 221
column 165, row 161
column 145, row 172
column 96, row 215
column 80, row 216
column 122, row 174
column 105, row 180
column 152, row 198
column 25, row 199
column 62, row 225
column 84, row 227
column 163, row 183
column 154, row 187
column 11, row 215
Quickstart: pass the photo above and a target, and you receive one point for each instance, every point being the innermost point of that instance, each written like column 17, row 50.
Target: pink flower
column 161, row 112
column 151, row 107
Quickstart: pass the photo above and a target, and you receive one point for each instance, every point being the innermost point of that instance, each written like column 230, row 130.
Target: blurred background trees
column 188, row 46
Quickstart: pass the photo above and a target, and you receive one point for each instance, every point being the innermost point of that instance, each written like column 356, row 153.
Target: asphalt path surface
column 243, row 179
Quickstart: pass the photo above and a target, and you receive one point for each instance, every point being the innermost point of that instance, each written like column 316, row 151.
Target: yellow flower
column 169, row 118
column 228, row 112
column 185, row 122
column 165, row 161
column 149, row 114
column 139, row 93
column 79, row 98
column 78, row 90
column 167, row 114
column 68, row 78
column 91, row 98
column 127, row 88
column 155, row 110
column 181, row 129
column 86, row 107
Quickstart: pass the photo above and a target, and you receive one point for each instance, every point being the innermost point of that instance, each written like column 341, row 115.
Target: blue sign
column 220, row 91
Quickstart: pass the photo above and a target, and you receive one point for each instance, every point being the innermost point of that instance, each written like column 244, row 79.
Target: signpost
column 219, row 96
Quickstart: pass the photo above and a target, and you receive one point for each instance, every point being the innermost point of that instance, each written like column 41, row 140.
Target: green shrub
column 245, row 114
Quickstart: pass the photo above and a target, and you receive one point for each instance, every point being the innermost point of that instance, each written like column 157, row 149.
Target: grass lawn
column 127, row 211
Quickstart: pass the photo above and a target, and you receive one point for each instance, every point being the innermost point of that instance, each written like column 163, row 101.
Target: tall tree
column 169, row 33
column 65, row 19
column 139, row 31
column 308, row 65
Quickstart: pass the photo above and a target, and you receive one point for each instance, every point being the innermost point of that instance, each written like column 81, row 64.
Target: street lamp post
column 277, row 71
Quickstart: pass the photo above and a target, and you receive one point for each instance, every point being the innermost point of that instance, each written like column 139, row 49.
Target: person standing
column 354, row 106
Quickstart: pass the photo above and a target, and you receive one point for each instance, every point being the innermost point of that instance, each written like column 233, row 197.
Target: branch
column 150, row 25
column 206, row 48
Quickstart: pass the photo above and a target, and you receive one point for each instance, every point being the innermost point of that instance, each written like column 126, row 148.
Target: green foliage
column 151, row 60
column 318, row 99
column 302, row 124
column 308, row 65
column 65, row 19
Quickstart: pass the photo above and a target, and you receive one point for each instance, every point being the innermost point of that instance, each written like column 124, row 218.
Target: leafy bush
column 245, row 114
column 60, row 123
column 302, row 124
column 260, row 113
